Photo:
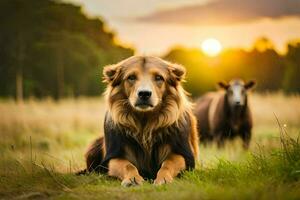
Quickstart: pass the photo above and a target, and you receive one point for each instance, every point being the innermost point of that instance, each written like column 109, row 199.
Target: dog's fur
column 218, row 119
column 153, row 142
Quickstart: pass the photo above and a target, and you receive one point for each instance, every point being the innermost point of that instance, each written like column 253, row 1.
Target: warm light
column 211, row 47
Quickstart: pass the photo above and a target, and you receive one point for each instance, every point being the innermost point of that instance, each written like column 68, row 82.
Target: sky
column 155, row 26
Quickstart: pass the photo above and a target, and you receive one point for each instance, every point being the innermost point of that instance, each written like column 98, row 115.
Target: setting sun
column 211, row 47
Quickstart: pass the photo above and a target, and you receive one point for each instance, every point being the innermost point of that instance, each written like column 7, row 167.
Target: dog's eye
column 131, row 78
column 158, row 78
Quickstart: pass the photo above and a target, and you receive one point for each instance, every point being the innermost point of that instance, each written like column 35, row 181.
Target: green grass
column 263, row 175
column 40, row 150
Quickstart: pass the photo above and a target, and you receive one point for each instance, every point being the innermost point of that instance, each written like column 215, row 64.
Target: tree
column 266, row 66
column 49, row 48
column 291, row 83
column 263, row 44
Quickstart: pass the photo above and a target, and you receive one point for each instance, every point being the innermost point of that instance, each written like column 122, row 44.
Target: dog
column 225, row 114
column 150, row 131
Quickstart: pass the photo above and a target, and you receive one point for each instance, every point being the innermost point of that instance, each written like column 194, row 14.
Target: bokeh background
column 58, row 49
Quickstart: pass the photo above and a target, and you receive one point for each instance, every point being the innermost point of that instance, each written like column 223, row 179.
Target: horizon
column 149, row 28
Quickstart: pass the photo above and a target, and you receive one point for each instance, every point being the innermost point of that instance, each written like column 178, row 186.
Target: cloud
column 220, row 12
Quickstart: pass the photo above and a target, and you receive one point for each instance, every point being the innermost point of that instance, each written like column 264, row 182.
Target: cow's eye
column 158, row 78
column 131, row 77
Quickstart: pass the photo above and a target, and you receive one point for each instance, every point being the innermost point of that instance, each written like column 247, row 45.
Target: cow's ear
column 223, row 85
column 250, row 84
column 111, row 74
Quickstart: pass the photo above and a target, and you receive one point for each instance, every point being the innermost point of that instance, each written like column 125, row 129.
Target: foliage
column 55, row 49
column 291, row 81
column 50, row 48
column 263, row 64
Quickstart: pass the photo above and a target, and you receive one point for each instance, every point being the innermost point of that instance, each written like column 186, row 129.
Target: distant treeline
column 271, row 71
column 49, row 48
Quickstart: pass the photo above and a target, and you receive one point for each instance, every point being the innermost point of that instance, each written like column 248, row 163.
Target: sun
column 211, row 47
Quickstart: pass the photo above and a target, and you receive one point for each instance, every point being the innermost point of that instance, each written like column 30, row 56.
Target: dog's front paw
column 132, row 181
column 163, row 177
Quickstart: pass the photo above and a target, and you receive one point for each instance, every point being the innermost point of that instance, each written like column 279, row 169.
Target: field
column 42, row 144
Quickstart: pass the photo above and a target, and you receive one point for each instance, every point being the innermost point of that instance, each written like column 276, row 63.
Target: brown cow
column 225, row 114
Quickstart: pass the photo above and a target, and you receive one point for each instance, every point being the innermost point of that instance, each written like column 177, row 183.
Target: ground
column 43, row 143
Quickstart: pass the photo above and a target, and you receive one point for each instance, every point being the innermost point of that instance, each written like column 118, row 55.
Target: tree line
column 50, row 48
column 262, row 63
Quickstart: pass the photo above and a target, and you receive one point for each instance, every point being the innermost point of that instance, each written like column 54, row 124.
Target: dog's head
column 142, row 82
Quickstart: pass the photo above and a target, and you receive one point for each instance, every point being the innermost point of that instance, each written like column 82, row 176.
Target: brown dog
column 149, row 129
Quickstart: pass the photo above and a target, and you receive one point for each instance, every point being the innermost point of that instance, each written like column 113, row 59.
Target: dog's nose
column 144, row 94
column 237, row 103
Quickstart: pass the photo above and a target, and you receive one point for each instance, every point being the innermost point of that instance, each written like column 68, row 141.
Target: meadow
column 42, row 145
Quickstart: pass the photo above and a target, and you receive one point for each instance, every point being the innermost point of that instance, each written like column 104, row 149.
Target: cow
column 225, row 114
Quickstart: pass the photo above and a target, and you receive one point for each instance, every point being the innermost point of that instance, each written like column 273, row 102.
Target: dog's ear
column 223, row 85
column 111, row 74
column 250, row 84
column 177, row 72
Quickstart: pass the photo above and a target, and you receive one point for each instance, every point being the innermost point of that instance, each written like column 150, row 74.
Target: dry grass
column 48, row 115
column 41, row 139
column 72, row 123
column 59, row 131
column 88, row 113
column 265, row 106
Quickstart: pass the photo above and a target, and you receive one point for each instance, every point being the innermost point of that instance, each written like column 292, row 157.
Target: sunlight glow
column 211, row 47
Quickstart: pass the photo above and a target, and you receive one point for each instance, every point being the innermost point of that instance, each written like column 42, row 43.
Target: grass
column 43, row 142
